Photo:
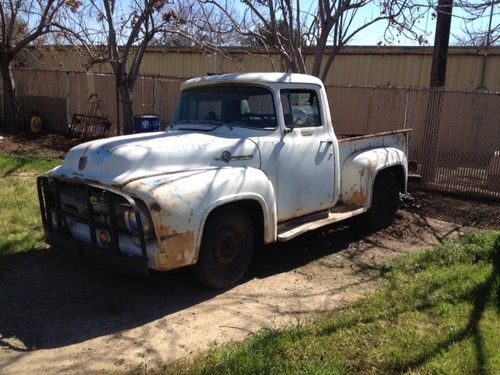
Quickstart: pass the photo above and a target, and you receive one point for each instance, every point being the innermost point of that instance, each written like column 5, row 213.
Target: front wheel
column 226, row 248
column 385, row 202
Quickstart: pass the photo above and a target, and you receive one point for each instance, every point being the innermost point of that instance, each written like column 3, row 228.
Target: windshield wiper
column 180, row 122
column 217, row 124
column 241, row 123
column 250, row 126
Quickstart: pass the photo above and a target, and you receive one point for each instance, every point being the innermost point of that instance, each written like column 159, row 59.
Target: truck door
column 305, row 155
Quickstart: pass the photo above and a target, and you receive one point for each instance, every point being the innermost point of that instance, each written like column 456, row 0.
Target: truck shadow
column 49, row 300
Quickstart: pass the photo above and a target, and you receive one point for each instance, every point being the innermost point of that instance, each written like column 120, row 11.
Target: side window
column 300, row 108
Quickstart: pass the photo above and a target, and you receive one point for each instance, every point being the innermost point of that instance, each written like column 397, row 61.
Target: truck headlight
column 131, row 220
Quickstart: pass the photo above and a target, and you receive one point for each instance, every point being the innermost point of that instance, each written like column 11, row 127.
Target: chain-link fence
column 455, row 144
column 56, row 96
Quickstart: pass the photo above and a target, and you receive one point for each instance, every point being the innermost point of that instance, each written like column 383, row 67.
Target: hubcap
column 227, row 247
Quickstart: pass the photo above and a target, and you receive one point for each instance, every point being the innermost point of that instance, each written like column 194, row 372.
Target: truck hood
column 120, row 160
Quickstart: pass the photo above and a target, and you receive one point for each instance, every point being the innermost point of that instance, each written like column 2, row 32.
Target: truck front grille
column 100, row 208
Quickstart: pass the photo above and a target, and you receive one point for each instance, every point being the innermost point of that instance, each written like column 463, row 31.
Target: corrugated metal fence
column 456, row 153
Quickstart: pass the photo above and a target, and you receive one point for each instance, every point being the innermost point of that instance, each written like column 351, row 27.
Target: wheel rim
column 227, row 246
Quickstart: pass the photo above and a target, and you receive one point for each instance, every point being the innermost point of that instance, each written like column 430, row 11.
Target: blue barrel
column 146, row 123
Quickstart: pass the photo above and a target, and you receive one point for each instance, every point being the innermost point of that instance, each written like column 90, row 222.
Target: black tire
column 385, row 202
column 226, row 248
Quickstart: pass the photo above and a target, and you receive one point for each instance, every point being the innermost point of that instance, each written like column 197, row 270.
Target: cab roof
column 251, row 78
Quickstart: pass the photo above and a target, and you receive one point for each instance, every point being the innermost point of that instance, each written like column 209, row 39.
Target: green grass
column 20, row 223
column 438, row 313
column 13, row 164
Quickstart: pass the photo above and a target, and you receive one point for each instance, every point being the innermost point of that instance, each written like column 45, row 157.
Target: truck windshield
column 247, row 106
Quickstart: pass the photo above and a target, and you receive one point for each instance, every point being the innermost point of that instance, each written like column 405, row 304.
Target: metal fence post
column 431, row 134
column 117, row 97
column 407, row 102
column 68, row 105
column 405, row 122
column 3, row 105
column 153, row 98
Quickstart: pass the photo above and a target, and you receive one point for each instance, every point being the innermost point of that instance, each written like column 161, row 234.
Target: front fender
column 360, row 170
column 180, row 203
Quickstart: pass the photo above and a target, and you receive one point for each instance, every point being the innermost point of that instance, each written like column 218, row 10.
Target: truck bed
column 350, row 143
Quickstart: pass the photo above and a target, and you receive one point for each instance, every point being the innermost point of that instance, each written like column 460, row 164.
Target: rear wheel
column 226, row 248
column 385, row 201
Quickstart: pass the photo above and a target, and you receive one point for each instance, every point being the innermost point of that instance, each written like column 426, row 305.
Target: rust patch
column 371, row 166
column 167, row 235
column 155, row 207
column 142, row 186
column 358, row 198
column 353, row 137
column 361, row 172
column 176, row 250
column 162, row 233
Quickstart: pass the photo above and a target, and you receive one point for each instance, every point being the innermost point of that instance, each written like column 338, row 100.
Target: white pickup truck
column 248, row 159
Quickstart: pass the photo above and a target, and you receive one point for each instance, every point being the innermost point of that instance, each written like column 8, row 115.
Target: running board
column 296, row 227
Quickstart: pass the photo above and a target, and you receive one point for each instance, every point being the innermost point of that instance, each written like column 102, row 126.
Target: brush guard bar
column 49, row 195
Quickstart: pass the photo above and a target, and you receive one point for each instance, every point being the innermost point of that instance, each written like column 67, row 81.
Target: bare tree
column 22, row 23
column 203, row 27
column 113, row 32
column 475, row 34
column 324, row 26
column 475, row 15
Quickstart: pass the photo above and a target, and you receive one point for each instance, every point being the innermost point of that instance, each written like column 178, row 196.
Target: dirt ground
column 473, row 212
column 61, row 316
column 48, row 146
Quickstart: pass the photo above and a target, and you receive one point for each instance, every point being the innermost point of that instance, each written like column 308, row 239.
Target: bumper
column 58, row 233
column 120, row 262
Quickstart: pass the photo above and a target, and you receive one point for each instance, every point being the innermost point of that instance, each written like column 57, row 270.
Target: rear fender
column 360, row 170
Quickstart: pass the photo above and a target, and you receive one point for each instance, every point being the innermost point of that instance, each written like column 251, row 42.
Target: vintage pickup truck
column 248, row 159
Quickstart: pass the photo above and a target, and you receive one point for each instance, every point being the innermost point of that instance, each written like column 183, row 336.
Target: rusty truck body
column 248, row 159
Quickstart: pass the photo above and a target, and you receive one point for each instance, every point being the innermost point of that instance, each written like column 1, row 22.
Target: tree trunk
column 328, row 64
column 11, row 106
column 127, row 111
column 319, row 53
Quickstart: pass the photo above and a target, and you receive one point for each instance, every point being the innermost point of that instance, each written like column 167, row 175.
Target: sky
column 374, row 34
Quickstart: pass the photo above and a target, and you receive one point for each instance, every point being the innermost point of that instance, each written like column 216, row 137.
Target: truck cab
column 248, row 158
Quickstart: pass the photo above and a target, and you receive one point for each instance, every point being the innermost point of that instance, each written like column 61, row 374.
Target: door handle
column 329, row 142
